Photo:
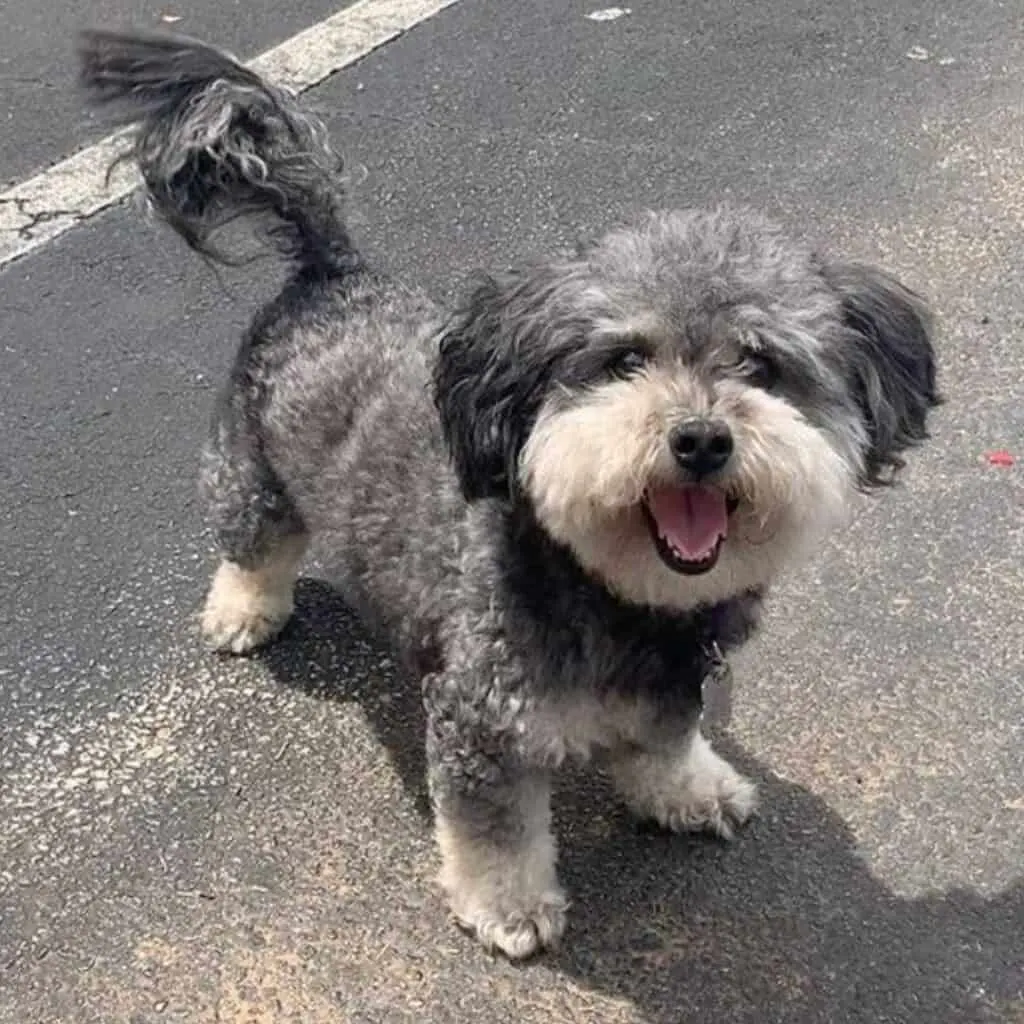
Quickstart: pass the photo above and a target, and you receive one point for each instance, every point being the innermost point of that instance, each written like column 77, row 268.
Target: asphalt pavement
column 190, row 838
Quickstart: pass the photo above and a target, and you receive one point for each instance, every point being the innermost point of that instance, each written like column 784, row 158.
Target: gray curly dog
column 561, row 500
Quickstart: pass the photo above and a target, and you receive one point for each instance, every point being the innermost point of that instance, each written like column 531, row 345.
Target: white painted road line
column 42, row 208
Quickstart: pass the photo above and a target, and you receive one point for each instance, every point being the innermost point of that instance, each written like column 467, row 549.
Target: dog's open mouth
column 688, row 525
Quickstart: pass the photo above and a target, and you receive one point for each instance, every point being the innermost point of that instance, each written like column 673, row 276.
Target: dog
column 562, row 500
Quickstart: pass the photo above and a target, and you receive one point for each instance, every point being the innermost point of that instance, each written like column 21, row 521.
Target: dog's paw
column 508, row 896
column 232, row 632
column 718, row 800
column 238, row 616
column 517, row 933
column 698, row 792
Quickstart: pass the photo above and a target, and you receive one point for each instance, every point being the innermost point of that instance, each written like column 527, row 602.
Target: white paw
column 518, row 933
column 698, row 792
column 720, row 801
column 507, row 896
column 240, row 614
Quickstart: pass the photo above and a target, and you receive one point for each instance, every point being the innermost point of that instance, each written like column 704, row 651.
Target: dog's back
column 331, row 383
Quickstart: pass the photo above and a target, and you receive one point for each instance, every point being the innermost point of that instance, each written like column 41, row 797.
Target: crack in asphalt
column 44, row 217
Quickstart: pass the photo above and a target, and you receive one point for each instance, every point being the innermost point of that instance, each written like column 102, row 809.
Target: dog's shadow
column 787, row 924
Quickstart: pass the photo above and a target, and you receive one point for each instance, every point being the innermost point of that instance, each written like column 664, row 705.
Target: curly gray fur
column 414, row 446
column 215, row 142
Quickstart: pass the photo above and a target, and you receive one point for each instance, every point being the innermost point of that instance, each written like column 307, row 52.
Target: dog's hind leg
column 261, row 540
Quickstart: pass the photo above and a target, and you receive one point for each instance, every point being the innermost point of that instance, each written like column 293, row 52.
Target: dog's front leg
column 684, row 785
column 493, row 821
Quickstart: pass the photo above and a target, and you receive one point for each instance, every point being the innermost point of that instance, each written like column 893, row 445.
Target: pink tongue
column 690, row 518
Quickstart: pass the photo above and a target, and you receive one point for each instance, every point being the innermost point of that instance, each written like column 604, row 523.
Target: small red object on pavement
column 1000, row 458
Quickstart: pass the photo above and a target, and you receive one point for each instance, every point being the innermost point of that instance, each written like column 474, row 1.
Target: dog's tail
column 215, row 142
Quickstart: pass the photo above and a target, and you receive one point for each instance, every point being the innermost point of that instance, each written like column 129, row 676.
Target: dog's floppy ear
column 889, row 360
column 496, row 358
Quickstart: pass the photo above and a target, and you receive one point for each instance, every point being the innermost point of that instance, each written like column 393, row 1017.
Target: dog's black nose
column 701, row 446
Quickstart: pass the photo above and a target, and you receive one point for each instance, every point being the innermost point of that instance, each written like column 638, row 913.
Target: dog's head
column 688, row 403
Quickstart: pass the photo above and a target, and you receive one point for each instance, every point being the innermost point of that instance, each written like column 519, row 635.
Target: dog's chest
column 607, row 694
column 557, row 729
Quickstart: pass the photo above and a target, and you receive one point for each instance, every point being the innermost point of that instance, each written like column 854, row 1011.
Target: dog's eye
column 627, row 363
column 760, row 369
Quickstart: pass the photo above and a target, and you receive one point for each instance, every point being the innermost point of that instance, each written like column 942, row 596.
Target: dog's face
column 689, row 403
